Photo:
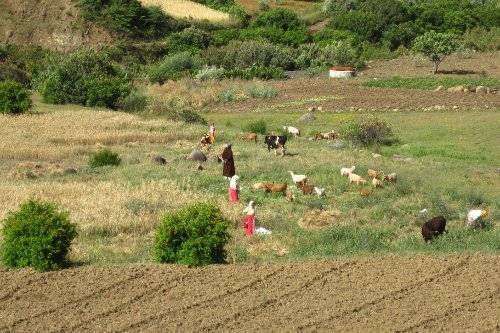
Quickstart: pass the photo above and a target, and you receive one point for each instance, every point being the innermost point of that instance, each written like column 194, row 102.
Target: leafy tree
column 281, row 18
column 435, row 46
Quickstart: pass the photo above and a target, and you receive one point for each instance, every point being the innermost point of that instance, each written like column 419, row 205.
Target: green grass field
column 449, row 164
column 429, row 83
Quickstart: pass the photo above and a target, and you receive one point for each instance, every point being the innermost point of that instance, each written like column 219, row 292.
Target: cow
column 433, row 228
column 275, row 142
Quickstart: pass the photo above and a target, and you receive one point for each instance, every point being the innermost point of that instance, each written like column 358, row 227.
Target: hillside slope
column 54, row 24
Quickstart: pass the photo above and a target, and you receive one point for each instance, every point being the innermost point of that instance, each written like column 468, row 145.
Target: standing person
column 234, row 189
column 249, row 220
column 211, row 133
column 228, row 169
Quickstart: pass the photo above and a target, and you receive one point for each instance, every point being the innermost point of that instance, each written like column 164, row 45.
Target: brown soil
column 51, row 24
column 389, row 293
column 340, row 94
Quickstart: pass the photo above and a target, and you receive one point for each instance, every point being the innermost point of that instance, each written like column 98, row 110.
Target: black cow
column 275, row 142
column 433, row 228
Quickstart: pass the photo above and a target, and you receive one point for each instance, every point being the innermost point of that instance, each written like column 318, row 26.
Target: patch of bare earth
column 389, row 293
column 55, row 25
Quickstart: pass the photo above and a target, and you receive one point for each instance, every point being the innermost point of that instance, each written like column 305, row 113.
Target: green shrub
column 189, row 39
column 280, row 18
column 369, row 131
column 334, row 7
column 366, row 25
column 194, row 236
column 258, row 126
column 402, row 34
column 86, row 78
column 264, row 73
column 14, row 98
column 104, row 157
column 294, row 37
column 136, row 101
column 128, row 17
column 261, row 91
column 173, row 67
column 210, row 73
column 339, row 53
column 481, row 39
column 328, row 35
column 238, row 54
column 37, row 235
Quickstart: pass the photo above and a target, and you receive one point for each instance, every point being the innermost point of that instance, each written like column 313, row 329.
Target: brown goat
column 277, row 188
column 249, row 137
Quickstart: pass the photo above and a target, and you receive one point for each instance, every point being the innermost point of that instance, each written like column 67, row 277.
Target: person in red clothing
column 234, row 189
column 249, row 220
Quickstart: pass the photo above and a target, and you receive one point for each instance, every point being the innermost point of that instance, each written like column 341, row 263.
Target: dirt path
column 405, row 294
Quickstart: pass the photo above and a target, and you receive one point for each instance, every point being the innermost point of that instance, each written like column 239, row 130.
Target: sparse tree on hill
column 435, row 46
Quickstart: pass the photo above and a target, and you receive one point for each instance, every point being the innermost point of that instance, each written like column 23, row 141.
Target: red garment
column 233, row 195
column 249, row 225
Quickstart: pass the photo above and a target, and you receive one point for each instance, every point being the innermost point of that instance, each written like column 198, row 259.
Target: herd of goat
column 430, row 229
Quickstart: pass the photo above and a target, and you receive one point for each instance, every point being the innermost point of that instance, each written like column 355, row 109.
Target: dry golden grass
column 51, row 136
column 190, row 10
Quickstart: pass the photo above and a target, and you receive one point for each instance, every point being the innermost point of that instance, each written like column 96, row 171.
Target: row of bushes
column 398, row 23
column 39, row 235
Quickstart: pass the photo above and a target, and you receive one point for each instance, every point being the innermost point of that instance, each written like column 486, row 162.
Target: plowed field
column 389, row 293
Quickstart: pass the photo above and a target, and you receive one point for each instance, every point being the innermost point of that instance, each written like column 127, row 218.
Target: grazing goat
column 433, row 228
column 277, row 188
column 354, row 178
column 297, row 179
column 275, row 142
column 292, row 130
column 347, row 171
column 326, row 136
column 205, row 140
column 374, row 174
column 392, row 177
column 307, row 189
column 261, row 185
column 289, row 196
column 319, row 191
column 376, row 183
column 249, row 137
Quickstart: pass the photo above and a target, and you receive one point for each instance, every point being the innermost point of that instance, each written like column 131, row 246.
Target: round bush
column 194, row 235
column 370, row 131
column 37, row 235
column 14, row 98
column 104, row 157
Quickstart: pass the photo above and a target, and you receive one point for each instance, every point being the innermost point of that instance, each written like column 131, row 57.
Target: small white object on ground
column 262, row 231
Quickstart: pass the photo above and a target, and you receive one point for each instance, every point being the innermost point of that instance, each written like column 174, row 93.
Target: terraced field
column 388, row 293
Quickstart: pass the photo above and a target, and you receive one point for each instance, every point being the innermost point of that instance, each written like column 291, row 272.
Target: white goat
column 354, row 178
column 319, row 191
column 292, row 130
column 347, row 171
column 298, row 178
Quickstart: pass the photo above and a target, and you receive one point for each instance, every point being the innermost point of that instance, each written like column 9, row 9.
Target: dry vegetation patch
column 190, row 10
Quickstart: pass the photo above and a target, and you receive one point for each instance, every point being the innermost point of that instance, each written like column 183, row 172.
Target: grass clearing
column 429, row 82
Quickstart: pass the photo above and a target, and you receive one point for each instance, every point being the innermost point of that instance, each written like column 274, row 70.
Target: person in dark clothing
column 228, row 169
